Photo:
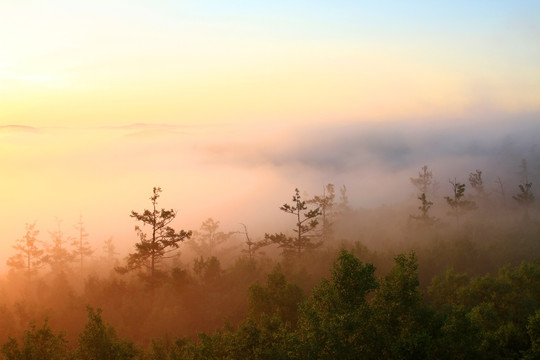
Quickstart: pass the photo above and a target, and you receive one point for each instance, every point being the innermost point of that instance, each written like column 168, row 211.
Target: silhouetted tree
column 402, row 322
column 29, row 256
column 533, row 330
column 501, row 191
column 208, row 270
column 253, row 246
column 325, row 203
column 153, row 246
column 424, row 180
column 37, row 343
column 208, row 238
column 457, row 202
column 424, row 183
column 525, row 197
column 82, row 247
column 277, row 297
column 477, row 183
column 343, row 206
column 335, row 321
column 424, row 207
column 58, row 256
column 524, row 171
column 110, row 251
column 306, row 222
column 100, row 341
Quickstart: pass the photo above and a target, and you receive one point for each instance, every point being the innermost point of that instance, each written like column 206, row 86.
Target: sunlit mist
column 285, row 179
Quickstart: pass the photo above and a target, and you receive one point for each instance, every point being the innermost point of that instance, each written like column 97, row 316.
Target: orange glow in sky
column 197, row 75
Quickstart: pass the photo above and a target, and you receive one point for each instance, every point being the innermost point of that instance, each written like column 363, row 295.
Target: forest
column 453, row 273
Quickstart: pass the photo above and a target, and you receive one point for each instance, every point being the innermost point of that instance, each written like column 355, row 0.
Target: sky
column 65, row 63
column 226, row 104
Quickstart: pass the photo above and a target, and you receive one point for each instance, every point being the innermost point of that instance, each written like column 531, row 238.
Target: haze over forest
column 242, row 173
column 411, row 129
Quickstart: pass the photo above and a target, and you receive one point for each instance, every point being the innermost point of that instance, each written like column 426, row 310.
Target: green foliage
column 269, row 339
column 490, row 312
column 533, row 330
column 445, row 291
column 459, row 337
column 350, row 315
column 266, row 340
column 99, row 341
column 335, row 321
column 208, row 270
column 352, row 280
column 37, row 344
column 403, row 323
column 277, row 297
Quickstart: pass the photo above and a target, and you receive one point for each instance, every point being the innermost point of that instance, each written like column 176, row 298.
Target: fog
column 243, row 174
column 238, row 175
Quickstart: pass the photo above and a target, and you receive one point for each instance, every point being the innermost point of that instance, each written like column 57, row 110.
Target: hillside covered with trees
column 451, row 274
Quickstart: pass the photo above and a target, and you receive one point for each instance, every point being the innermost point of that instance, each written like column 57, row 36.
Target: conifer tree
column 525, row 197
column 325, row 203
column 424, row 207
column 153, row 246
column 99, row 340
column 253, row 246
column 343, row 206
column 110, row 251
column 29, row 256
column 477, row 183
column 457, row 203
column 208, row 238
column 306, row 223
column 82, row 247
column 424, row 181
column 501, row 191
column 58, row 256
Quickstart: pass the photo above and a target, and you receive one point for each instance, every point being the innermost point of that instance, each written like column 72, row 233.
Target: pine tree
column 208, row 238
column 110, row 251
column 525, row 197
column 424, row 216
column 161, row 240
column 343, row 206
column 424, row 184
column 424, row 181
column 325, row 203
column 29, row 256
column 82, row 247
column 58, row 256
column 306, row 222
column 477, row 183
column 253, row 246
column 457, row 202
